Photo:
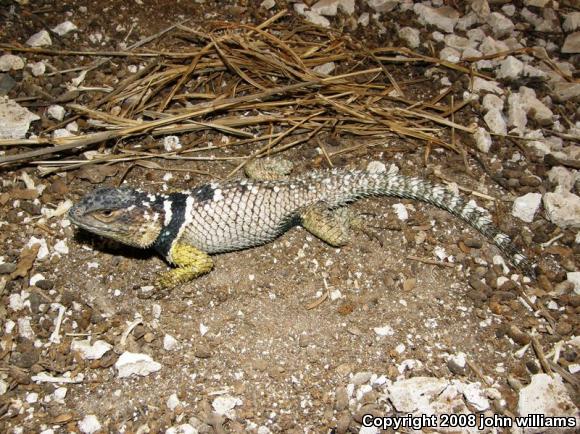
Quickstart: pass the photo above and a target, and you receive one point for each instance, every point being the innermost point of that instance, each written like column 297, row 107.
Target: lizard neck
column 176, row 210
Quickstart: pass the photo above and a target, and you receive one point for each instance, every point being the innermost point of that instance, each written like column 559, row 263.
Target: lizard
column 188, row 227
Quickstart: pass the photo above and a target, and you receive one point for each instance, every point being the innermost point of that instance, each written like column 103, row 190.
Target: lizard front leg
column 190, row 263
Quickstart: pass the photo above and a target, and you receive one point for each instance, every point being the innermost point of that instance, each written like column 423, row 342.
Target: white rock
column 171, row 143
column 401, row 211
column 572, row 22
column 330, row 7
column 479, row 85
column 61, row 247
column 364, row 19
column 18, row 301
column 574, row 277
column 383, row 5
column 517, row 116
column 25, row 329
column 510, row 67
column 385, row 330
column 476, row 35
column 268, row 4
column 316, row 19
column 450, row 55
column 482, row 139
column 73, row 127
column 361, row 378
column 563, row 91
column 366, row 430
column 325, row 69
column 458, row 42
column 60, row 393
column 89, row 424
column 376, row 167
column 495, row 121
column 173, row 401
column 563, row 209
column 474, row 396
column 444, row 18
column 14, row 119
column 10, row 62
column 535, row 108
column 536, row 3
column 525, row 206
column 530, row 17
column 32, row 397
column 547, row 396
column 203, row 329
column 224, row 405
column 532, row 71
column 90, row 351
column 481, row 8
column 310, row 16
column 64, row 28
column 135, row 364
column 572, row 43
column 500, row 24
column 437, row 36
column 43, row 251
column 36, row 278
column 562, row 177
column 37, row 68
column 415, row 394
column 459, row 359
column 61, row 132
column 411, row 36
column 491, row 101
column 40, row 39
column 169, row 343
column 3, row 387
column 509, row 9
column 56, row 112
column 490, row 46
column 184, row 428
column 470, row 52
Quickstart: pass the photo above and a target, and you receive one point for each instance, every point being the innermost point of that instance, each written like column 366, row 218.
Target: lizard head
column 125, row 215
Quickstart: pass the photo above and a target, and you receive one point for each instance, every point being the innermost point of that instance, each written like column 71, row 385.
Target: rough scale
column 189, row 226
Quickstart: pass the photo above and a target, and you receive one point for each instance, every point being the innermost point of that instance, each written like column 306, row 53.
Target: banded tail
column 339, row 187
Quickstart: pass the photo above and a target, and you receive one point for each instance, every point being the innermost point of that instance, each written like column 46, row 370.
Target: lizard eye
column 106, row 215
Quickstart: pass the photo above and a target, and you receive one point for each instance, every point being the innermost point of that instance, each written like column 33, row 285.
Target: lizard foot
column 331, row 226
column 190, row 263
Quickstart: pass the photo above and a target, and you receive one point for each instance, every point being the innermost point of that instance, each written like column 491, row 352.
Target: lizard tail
column 363, row 184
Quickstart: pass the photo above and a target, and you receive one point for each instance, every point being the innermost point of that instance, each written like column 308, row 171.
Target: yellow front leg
column 190, row 263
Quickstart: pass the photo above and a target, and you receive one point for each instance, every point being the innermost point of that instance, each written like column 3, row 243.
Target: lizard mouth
column 75, row 215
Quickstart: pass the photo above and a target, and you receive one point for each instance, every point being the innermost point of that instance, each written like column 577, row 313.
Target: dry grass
column 255, row 84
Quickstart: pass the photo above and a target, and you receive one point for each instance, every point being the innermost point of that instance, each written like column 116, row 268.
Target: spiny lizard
column 187, row 227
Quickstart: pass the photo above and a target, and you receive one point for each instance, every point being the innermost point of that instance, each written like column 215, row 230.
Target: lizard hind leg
column 331, row 226
column 190, row 263
column 268, row 169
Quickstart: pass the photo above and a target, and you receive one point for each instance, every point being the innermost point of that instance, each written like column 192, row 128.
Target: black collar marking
column 203, row 193
column 169, row 232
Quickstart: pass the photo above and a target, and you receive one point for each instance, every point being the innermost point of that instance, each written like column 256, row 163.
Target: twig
column 540, row 355
column 431, row 261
